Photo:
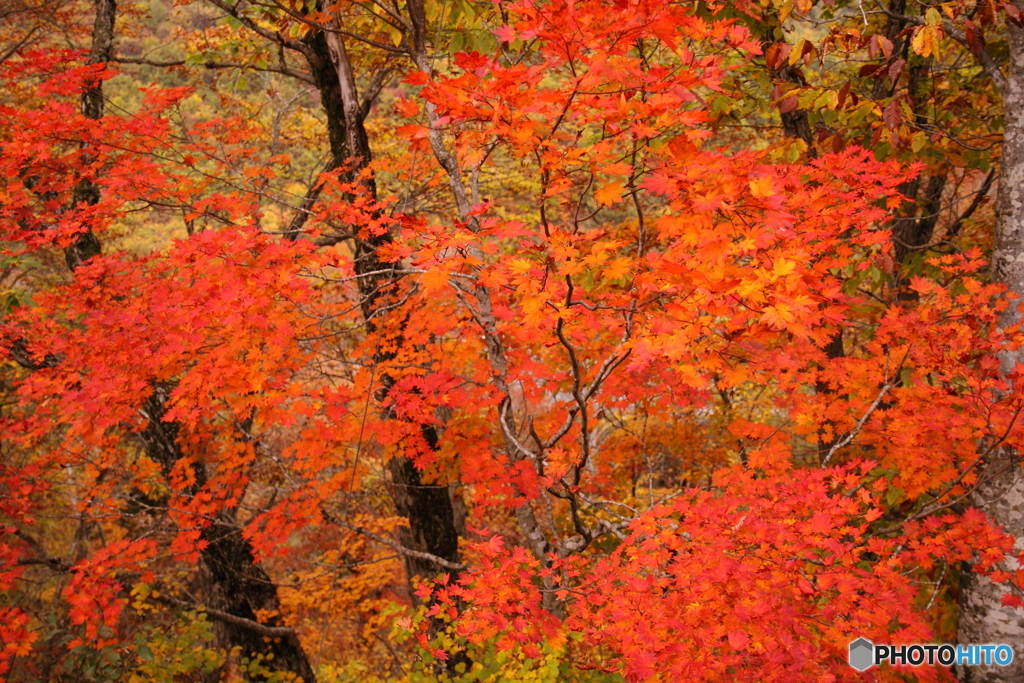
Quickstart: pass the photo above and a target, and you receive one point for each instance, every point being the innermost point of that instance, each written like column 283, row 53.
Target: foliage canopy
column 538, row 340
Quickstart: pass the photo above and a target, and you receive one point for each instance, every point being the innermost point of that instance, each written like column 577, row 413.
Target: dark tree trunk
column 86, row 245
column 233, row 582
column 913, row 231
column 428, row 507
column 431, row 524
column 894, row 27
column 796, row 124
column 238, row 584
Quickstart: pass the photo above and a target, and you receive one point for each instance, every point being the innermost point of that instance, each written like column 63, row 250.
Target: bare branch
column 979, row 197
column 274, row 36
column 254, row 626
column 18, row 45
column 984, row 58
column 18, row 352
column 303, row 213
column 55, row 563
column 408, row 552
column 211, row 64
column 852, row 434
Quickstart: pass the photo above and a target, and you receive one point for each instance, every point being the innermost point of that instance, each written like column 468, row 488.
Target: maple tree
column 501, row 341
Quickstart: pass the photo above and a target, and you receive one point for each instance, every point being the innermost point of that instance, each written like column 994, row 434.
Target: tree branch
column 303, row 213
column 254, row 626
column 274, row 36
column 398, row 547
column 19, row 353
column 18, row 45
column 984, row 58
column 211, row 64
column 979, row 197
column 55, row 563
column 852, row 434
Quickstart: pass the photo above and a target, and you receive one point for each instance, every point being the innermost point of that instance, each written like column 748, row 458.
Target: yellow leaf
column 535, row 311
column 762, row 187
column 778, row 316
column 747, row 288
column 617, row 268
column 797, row 52
column 520, row 266
column 925, row 41
column 783, row 267
column 917, row 43
column 917, row 142
column 610, row 193
column 785, row 10
column 832, row 99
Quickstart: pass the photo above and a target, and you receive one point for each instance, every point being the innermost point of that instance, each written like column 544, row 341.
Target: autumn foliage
column 698, row 417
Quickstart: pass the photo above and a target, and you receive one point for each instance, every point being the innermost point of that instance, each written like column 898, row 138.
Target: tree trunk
column 796, row 124
column 232, row 581
column 87, row 245
column 431, row 524
column 237, row 584
column 982, row 617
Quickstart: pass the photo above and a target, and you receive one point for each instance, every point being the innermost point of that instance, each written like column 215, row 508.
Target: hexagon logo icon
column 862, row 654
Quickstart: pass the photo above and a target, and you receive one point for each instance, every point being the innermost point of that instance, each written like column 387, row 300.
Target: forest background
column 546, row 340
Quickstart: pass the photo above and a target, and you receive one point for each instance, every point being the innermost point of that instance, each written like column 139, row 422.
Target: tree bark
column 237, row 583
column 982, row 618
column 87, row 245
column 431, row 524
column 796, row 125
column 231, row 581
column 911, row 232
